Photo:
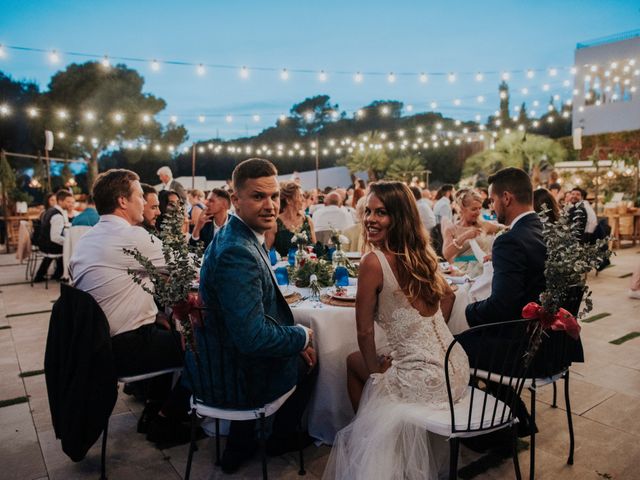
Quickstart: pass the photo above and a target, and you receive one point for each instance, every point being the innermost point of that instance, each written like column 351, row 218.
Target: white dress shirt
column 426, row 214
column 58, row 224
column 515, row 220
column 592, row 218
column 442, row 209
column 100, row 267
column 331, row 216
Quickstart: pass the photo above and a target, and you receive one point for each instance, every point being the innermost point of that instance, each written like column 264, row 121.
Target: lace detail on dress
column 418, row 346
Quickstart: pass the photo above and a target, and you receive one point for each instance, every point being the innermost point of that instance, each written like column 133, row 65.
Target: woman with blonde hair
column 291, row 219
column 400, row 289
column 468, row 226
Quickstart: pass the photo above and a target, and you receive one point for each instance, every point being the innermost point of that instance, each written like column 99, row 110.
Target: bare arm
column 369, row 284
column 446, row 303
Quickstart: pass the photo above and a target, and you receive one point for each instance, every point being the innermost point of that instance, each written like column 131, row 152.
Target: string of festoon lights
column 62, row 113
column 156, row 65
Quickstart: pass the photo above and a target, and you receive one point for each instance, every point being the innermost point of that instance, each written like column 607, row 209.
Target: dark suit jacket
column 248, row 349
column 518, row 261
column 518, row 274
column 79, row 371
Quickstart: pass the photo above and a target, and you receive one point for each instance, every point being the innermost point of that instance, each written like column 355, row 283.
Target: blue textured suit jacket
column 248, row 349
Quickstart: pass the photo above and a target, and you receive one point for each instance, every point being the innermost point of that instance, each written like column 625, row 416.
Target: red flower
column 563, row 320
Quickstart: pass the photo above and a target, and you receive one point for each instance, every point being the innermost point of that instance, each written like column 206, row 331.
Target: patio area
column 605, row 398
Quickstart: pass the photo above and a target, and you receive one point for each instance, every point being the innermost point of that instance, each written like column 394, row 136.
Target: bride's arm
column 369, row 284
column 446, row 303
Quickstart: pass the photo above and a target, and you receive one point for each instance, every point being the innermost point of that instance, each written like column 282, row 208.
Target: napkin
column 477, row 251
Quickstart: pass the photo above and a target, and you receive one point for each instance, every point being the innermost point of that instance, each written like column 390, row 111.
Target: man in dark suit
column 518, row 255
column 255, row 351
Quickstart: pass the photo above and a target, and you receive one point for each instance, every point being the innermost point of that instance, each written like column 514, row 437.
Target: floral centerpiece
column 173, row 284
column 301, row 240
column 339, row 256
column 322, row 269
column 566, row 266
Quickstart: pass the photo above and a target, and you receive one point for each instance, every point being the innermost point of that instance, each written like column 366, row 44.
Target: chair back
column 323, row 236
column 502, row 354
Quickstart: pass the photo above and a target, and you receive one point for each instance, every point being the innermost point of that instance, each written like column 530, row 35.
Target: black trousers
column 44, row 268
column 286, row 419
column 149, row 349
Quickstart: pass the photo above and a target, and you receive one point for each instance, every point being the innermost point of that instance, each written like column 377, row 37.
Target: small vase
column 301, row 256
column 339, row 258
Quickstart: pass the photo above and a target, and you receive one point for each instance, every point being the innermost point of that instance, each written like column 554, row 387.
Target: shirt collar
column 110, row 218
column 59, row 208
column 259, row 236
column 515, row 220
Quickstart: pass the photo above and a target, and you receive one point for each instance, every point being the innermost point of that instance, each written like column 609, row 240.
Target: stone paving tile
column 584, row 395
column 620, row 411
column 20, row 455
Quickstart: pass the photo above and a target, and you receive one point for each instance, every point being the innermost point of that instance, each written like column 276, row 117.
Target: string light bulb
column 106, row 63
column 229, row 119
column 244, row 72
column 173, row 119
column 479, row 77
column 357, row 77
column 424, row 78
column 322, row 76
column 3, row 52
column 451, row 77
column 201, row 118
column 4, row 110
column 54, row 57
column 33, row 112
column 155, row 65
column 284, row 74
column 256, row 118
column 391, row 78
column 200, row 70
column 530, row 73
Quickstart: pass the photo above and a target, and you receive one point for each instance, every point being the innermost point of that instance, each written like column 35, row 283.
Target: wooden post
column 46, row 156
column 193, row 167
column 317, row 163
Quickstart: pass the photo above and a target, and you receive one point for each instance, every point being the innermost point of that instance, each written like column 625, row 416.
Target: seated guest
column 556, row 191
column 215, row 216
column 167, row 199
column 196, row 200
column 151, row 208
column 543, row 197
column 427, row 217
column 51, row 240
column 291, row 219
column 89, row 216
column 332, row 215
column 169, row 184
column 255, row 353
column 582, row 215
column 468, row 226
column 99, row 267
column 442, row 207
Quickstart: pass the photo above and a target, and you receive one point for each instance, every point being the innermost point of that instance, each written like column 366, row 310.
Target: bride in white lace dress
column 399, row 288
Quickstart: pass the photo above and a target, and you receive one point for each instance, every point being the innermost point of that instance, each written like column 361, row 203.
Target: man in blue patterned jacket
column 255, row 352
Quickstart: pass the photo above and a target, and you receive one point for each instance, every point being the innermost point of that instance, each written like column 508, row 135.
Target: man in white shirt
column 211, row 221
column 54, row 222
column 100, row 267
column 332, row 215
column 442, row 208
column 424, row 209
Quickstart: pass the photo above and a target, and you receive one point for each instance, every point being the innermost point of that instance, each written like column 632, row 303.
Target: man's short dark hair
column 447, row 187
column 147, row 190
column 513, row 180
column 582, row 191
column 62, row 194
column 220, row 193
column 252, row 168
column 555, row 186
column 416, row 192
column 110, row 186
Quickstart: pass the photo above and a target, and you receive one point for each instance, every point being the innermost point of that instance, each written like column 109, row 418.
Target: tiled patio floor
column 605, row 396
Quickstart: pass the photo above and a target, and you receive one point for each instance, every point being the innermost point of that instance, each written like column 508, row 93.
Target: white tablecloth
column 334, row 338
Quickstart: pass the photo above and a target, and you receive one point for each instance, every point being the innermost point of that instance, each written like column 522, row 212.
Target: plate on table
column 353, row 255
column 286, row 290
column 343, row 293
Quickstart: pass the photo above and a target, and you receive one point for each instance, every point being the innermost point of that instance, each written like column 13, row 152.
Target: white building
column 607, row 84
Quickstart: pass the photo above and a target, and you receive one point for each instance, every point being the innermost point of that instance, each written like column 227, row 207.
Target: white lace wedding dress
column 384, row 441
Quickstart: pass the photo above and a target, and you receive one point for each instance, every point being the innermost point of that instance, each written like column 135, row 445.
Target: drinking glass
column 282, row 276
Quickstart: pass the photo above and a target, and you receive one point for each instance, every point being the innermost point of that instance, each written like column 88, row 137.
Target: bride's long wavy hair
column 408, row 240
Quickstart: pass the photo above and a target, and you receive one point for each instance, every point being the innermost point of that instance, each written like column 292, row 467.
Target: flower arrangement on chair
column 566, row 266
column 173, row 284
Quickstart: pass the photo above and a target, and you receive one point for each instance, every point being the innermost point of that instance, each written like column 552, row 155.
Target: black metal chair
column 482, row 411
column 203, row 398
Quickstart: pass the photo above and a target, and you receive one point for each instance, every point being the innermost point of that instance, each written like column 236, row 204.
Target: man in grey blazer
column 255, row 351
column 168, row 183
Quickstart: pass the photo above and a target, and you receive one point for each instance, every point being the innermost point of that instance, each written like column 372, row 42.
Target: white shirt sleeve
column 56, row 234
column 306, row 333
column 592, row 219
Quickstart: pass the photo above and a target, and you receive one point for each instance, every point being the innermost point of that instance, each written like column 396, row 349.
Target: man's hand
column 163, row 321
column 310, row 357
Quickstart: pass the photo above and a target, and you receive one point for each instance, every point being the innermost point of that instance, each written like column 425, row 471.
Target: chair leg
column 217, row 441
column 569, row 419
column 514, row 444
column 454, row 447
column 302, row 470
column 555, row 396
column 263, row 446
column 192, row 444
column 532, row 448
column 103, row 456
